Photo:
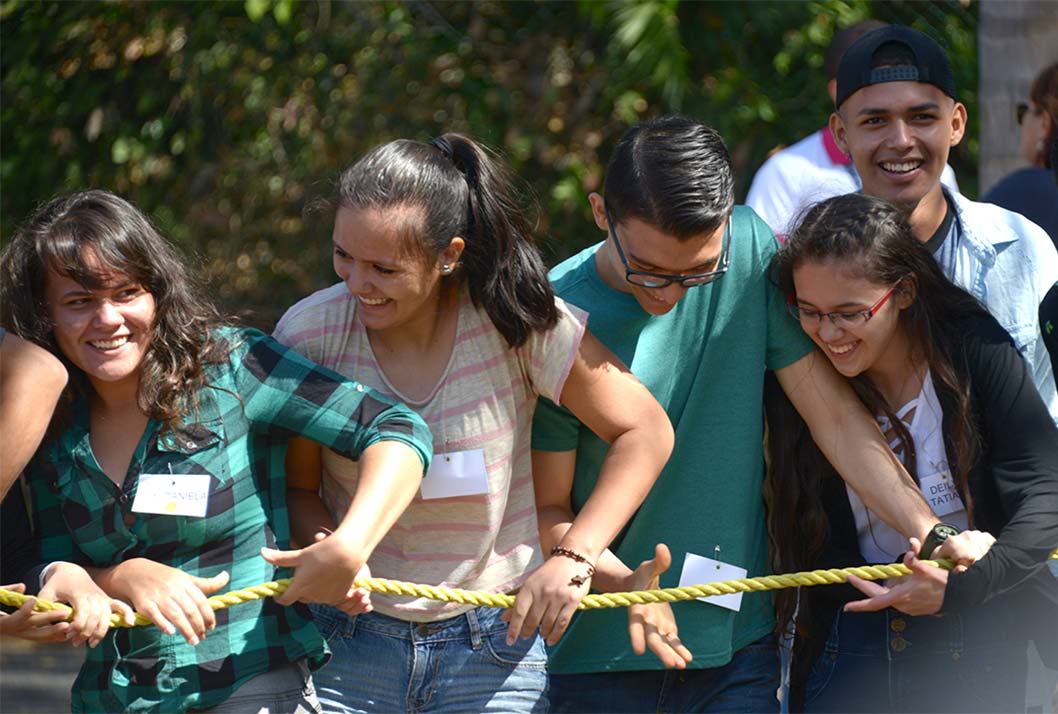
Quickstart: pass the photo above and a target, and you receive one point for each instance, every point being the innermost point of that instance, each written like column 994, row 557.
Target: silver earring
column 446, row 269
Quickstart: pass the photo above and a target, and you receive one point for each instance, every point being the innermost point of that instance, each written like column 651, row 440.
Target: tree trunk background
column 1016, row 39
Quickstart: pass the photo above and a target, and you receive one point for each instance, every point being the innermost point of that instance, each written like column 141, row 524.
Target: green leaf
column 256, row 9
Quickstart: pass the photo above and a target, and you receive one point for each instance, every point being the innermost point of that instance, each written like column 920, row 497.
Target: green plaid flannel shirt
column 264, row 394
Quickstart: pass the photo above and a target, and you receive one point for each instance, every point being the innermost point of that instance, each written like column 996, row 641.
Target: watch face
column 943, row 531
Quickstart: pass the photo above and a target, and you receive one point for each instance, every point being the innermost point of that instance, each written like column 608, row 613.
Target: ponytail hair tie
column 441, row 144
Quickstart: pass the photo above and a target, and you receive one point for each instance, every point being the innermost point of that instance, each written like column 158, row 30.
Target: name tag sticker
column 172, row 494
column 939, row 490
column 698, row 570
column 458, row 473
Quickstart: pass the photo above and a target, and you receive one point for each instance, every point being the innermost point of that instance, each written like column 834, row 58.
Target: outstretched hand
column 26, row 624
column 653, row 626
column 324, row 572
column 920, row 593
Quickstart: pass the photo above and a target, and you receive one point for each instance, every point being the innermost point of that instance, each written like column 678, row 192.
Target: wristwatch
column 939, row 533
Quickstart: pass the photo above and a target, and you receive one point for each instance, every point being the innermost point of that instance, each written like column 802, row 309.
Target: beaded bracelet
column 576, row 580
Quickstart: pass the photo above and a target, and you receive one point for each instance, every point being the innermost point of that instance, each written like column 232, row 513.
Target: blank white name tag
column 172, row 494
column 699, row 571
column 459, row 473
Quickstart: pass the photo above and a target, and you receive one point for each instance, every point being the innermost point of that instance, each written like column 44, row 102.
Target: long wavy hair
column 462, row 189
column 122, row 240
column 871, row 239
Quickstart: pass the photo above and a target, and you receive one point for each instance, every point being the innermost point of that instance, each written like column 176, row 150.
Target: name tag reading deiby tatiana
column 939, row 489
column 458, row 473
column 172, row 494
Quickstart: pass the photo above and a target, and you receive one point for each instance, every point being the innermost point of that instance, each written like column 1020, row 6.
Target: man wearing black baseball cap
column 814, row 168
column 897, row 115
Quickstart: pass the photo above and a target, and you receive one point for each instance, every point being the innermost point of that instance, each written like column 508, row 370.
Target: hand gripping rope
column 590, row 602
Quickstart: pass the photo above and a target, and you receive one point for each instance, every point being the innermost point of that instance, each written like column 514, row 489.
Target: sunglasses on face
column 1020, row 110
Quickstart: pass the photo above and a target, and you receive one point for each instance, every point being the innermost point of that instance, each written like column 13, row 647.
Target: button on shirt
column 258, row 398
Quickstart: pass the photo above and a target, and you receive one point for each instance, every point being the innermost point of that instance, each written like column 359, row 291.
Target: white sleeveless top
column 878, row 542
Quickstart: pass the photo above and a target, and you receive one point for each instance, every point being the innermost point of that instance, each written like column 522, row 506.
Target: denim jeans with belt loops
column 462, row 664
column 745, row 684
column 889, row 661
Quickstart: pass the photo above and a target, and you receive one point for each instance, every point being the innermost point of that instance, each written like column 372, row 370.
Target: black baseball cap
column 893, row 54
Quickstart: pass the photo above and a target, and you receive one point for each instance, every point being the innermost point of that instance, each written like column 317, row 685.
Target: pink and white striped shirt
column 484, row 400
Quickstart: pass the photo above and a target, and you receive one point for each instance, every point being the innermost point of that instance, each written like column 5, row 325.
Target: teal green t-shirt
column 704, row 362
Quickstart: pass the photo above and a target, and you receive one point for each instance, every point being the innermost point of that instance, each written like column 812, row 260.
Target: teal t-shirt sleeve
column 787, row 342
column 554, row 427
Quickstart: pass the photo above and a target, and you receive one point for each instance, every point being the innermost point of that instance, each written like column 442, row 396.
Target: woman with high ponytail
column 445, row 305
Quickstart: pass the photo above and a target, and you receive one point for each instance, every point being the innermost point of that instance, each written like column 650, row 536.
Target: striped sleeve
column 548, row 355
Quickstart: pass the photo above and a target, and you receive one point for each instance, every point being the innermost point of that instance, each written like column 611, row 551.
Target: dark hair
column 56, row 237
column 843, row 40
column 1044, row 94
column 872, row 238
column 461, row 189
column 674, row 174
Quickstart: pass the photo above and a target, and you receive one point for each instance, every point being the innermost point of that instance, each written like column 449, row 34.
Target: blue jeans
column 463, row 664
column 888, row 661
column 745, row 684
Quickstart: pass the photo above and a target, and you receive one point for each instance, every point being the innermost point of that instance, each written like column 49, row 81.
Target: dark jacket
column 1013, row 488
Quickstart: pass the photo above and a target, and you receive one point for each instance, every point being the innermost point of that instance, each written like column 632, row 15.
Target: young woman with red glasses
column 956, row 401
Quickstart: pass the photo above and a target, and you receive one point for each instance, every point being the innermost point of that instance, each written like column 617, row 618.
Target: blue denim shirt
column 1009, row 263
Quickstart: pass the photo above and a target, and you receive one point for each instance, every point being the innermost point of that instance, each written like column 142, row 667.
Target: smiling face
column 104, row 331
column 394, row 287
column 899, row 135
column 875, row 346
column 648, row 249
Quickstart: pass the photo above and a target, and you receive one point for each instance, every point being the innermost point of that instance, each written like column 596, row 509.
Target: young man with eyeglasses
column 679, row 291
column 897, row 116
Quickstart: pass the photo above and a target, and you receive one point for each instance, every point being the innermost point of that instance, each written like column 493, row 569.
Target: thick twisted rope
column 590, row 602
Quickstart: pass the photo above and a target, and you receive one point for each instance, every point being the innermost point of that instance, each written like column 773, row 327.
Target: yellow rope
column 590, row 602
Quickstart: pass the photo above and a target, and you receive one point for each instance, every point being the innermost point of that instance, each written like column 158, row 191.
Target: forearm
column 611, row 574
column 877, row 476
column 390, row 474
column 629, row 471
column 854, row 445
column 553, row 522
column 308, row 516
column 110, row 579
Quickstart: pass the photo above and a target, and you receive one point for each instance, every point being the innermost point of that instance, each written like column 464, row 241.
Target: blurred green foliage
column 223, row 120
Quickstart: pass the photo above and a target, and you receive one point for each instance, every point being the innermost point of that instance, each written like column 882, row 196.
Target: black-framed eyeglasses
column 1020, row 110
column 645, row 279
column 843, row 319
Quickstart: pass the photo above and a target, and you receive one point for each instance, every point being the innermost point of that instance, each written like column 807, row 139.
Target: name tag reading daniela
column 172, row 494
